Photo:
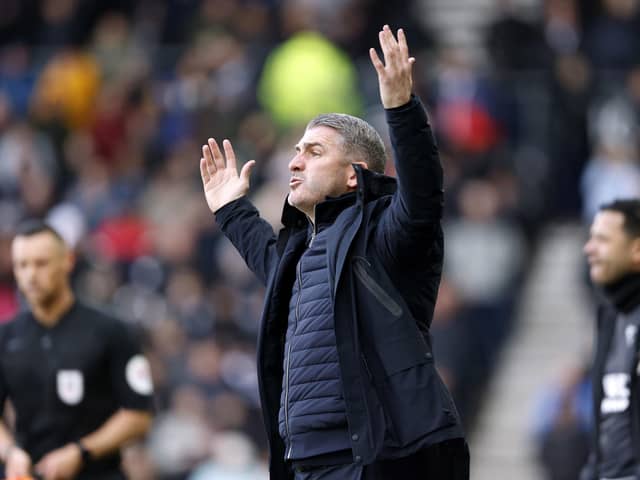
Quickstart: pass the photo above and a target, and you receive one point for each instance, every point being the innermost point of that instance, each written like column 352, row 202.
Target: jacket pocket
column 416, row 405
column 403, row 353
column 362, row 273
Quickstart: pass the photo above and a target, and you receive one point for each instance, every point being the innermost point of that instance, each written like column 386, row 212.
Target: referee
column 77, row 379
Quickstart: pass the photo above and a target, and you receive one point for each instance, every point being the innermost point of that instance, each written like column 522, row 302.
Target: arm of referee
column 17, row 462
column 121, row 427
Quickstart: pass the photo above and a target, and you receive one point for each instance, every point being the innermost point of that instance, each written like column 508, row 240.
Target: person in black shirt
column 76, row 378
column 613, row 252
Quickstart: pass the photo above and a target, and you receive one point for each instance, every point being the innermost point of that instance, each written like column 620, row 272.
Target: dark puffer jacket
column 313, row 417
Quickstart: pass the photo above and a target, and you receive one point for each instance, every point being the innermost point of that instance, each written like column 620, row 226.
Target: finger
column 208, row 160
column 218, row 159
column 402, row 43
column 375, row 60
column 388, row 45
column 391, row 38
column 384, row 42
column 229, row 153
column 245, row 173
column 387, row 38
column 204, row 173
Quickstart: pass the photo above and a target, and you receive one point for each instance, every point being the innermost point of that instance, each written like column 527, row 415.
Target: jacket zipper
column 376, row 290
column 366, row 366
column 286, row 391
column 313, row 233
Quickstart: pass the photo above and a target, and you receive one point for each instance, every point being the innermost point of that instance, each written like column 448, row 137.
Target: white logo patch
column 138, row 374
column 616, row 393
column 70, row 384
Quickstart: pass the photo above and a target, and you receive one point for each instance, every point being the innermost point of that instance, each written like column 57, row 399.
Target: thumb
column 245, row 173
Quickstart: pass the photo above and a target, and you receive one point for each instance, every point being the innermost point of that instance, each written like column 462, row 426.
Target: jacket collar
column 371, row 185
column 624, row 294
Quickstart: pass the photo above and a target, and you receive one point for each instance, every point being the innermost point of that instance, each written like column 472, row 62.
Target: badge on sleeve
column 138, row 374
column 70, row 385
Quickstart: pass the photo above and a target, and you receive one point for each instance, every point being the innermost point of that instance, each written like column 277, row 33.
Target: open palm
column 220, row 179
column 395, row 74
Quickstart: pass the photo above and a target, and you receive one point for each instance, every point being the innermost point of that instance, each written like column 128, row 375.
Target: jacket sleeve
column 129, row 369
column 410, row 228
column 250, row 234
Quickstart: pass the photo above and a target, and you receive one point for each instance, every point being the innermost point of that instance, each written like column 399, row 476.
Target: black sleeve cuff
column 226, row 210
column 413, row 101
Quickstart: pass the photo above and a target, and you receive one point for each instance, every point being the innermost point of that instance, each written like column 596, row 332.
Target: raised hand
column 220, row 178
column 395, row 74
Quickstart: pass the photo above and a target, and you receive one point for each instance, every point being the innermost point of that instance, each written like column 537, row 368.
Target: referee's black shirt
column 67, row 380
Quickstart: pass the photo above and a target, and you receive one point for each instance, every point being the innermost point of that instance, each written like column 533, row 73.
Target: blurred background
column 535, row 103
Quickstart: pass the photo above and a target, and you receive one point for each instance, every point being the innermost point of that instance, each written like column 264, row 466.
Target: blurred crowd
column 104, row 106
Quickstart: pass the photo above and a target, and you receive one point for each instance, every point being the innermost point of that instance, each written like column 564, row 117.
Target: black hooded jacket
column 384, row 260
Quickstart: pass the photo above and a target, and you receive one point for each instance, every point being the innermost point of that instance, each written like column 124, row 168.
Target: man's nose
column 31, row 273
column 587, row 247
column 296, row 163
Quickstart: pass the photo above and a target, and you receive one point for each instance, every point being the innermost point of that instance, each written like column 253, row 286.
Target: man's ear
column 635, row 252
column 69, row 260
column 352, row 181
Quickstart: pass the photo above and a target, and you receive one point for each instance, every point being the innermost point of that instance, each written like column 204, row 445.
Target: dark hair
column 34, row 227
column 630, row 209
column 359, row 138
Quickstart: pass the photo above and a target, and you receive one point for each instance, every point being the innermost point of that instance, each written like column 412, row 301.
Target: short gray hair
column 360, row 139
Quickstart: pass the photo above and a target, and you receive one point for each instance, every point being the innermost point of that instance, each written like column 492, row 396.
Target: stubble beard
column 45, row 300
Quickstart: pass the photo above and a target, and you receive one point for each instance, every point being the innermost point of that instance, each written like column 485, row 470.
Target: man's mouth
column 32, row 291
column 294, row 181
